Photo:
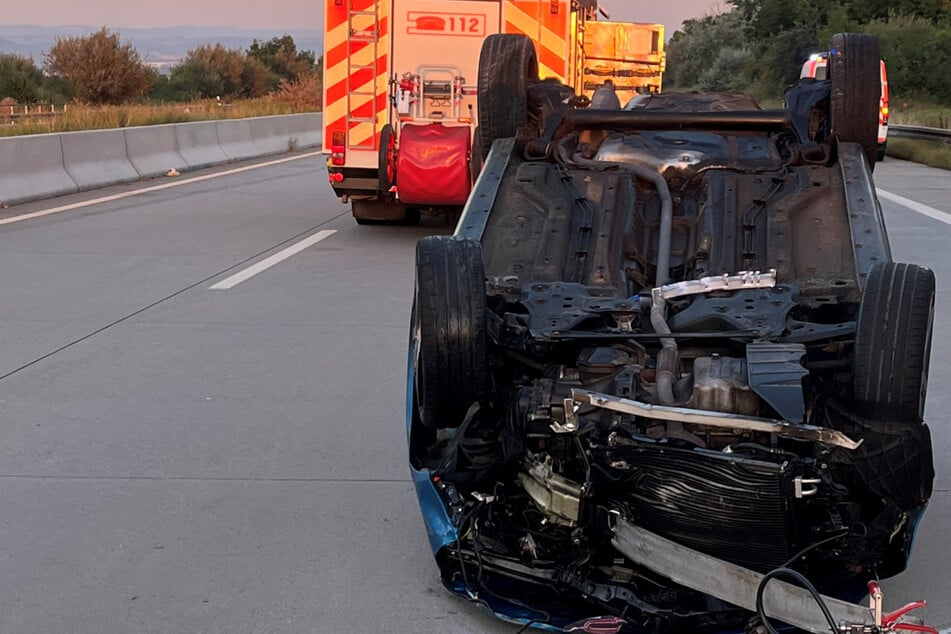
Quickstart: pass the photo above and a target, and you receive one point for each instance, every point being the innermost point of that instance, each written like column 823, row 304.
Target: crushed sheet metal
column 734, row 584
column 714, row 419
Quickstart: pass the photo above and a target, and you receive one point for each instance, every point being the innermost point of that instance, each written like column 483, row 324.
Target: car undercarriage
column 675, row 327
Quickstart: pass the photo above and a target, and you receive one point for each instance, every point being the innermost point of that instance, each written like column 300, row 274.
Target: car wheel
column 449, row 329
column 855, row 71
column 387, row 158
column 508, row 65
column 881, row 151
column 893, row 343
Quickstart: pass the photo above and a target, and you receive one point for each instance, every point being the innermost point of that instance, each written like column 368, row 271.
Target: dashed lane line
column 246, row 274
column 147, row 190
column 925, row 210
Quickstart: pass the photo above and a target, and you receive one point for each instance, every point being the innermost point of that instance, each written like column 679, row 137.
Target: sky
column 277, row 14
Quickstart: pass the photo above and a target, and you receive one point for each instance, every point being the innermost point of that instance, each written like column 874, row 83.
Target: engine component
column 556, row 496
column 720, row 385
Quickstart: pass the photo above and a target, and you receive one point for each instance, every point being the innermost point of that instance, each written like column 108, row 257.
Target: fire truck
column 402, row 80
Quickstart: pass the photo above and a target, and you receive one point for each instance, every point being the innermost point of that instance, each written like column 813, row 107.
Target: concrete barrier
column 31, row 167
column 153, row 150
column 198, row 144
column 97, row 160
column 308, row 129
column 272, row 135
column 47, row 165
column 286, row 132
column 234, row 137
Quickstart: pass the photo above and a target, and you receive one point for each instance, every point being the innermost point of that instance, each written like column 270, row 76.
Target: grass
column 931, row 115
column 910, row 112
column 77, row 117
column 925, row 152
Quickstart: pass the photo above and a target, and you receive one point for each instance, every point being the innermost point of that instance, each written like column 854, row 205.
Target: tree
column 216, row 71
column 281, row 57
column 913, row 49
column 691, row 51
column 100, row 68
column 20, row 79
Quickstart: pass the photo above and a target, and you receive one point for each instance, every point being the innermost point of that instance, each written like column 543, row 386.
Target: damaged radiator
column 733, row 508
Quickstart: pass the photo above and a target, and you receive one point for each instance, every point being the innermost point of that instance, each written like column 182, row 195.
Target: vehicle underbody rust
column 694, row 337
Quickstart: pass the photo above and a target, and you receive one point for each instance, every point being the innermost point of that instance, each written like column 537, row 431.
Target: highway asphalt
column 201, row 427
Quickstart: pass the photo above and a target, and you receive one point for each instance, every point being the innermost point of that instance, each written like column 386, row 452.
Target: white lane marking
column 931, row 212
column 146, row 190
column 267, row 263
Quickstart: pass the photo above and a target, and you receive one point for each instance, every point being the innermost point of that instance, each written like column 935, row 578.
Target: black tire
column 449, row 329
column 412, row 217
column 475, row 157
column 881, row 151
column 855, row 71
column 508, row 65
column 893, row 343
column 387, row 158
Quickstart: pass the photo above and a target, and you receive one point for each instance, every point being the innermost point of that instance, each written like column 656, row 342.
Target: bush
column 302, row 94
column 726, row 71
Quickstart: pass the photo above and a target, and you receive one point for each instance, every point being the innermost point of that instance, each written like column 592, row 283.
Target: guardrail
column 920, row 133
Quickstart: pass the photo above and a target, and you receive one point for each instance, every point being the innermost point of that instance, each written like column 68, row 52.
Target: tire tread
column 893, row 342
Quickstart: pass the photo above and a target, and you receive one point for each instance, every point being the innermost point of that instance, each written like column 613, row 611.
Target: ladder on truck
column 372, row 38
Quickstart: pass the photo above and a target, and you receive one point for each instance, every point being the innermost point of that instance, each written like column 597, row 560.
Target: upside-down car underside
column 692, row 331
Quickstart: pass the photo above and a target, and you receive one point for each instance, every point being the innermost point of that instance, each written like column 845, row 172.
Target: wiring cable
column 804, row 583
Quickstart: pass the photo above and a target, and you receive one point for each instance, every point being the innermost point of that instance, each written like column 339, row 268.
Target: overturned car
column 666, row 357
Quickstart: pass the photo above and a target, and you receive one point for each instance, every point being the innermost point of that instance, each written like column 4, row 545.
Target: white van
column 817, row 67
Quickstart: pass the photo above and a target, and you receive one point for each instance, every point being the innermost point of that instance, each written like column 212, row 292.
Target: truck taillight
column 338, row 148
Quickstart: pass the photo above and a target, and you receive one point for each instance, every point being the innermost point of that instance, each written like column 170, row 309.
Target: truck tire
column 449, row 329
column 508, row 65
column 855, row 71
column 893, row 343
column 475, row 157
column 412, row 217
column 382, row 211
column 387, row 158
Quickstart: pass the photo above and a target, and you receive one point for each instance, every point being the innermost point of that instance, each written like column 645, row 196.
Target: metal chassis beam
column 731, row 583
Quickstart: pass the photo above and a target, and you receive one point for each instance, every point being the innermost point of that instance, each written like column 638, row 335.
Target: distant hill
column 155, row 45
